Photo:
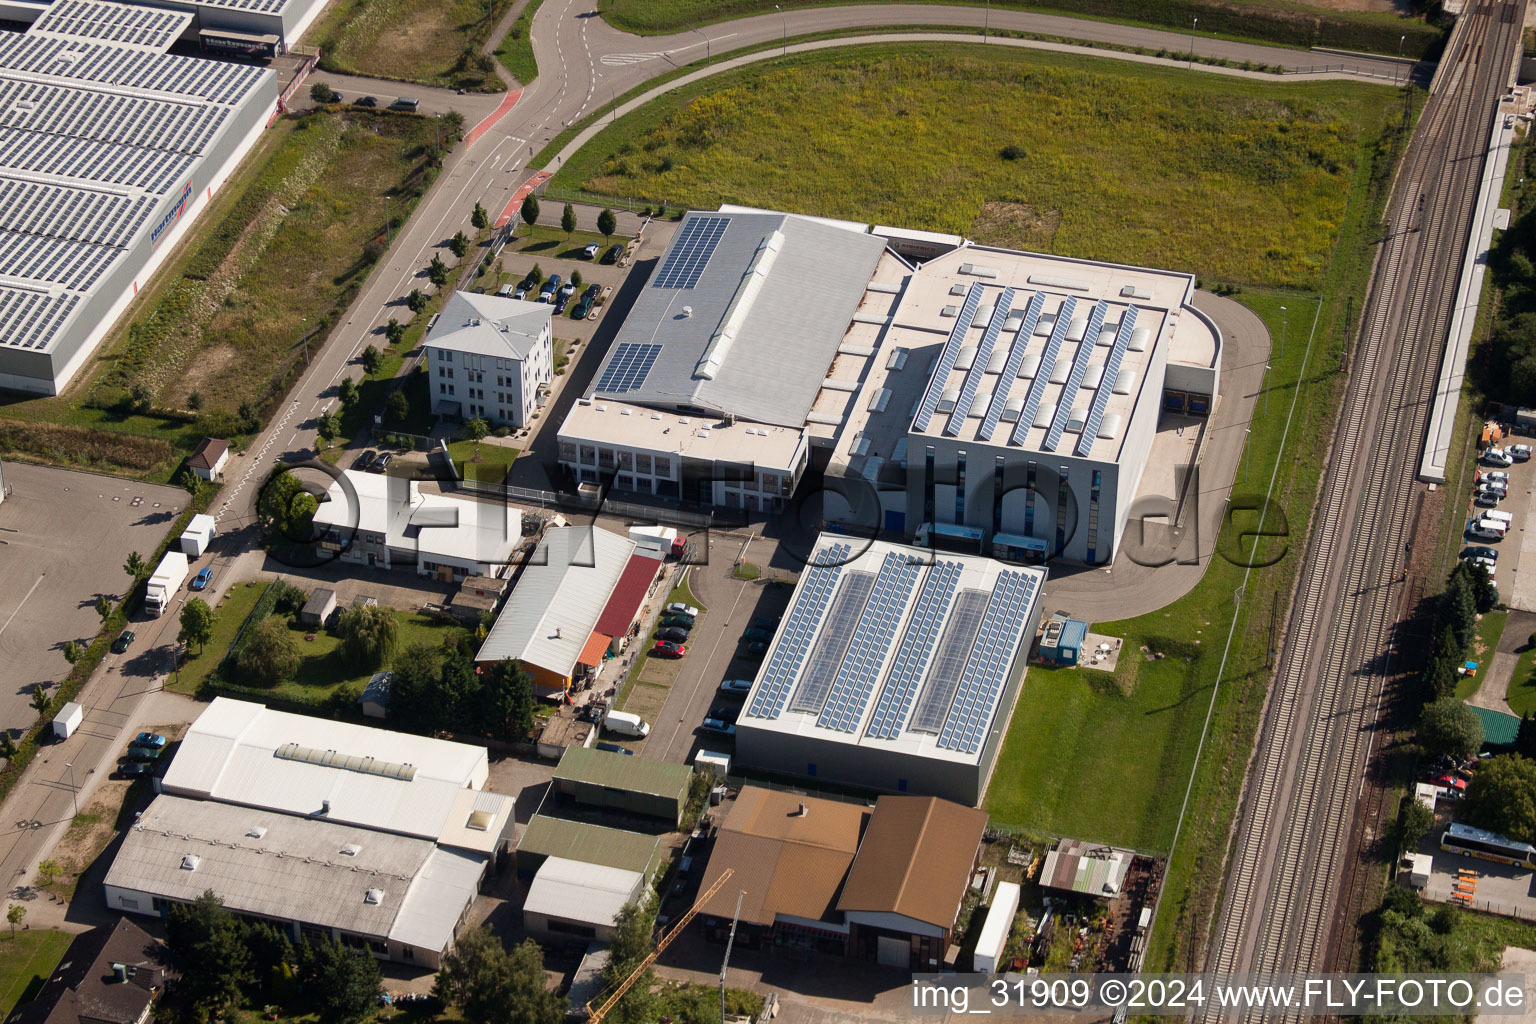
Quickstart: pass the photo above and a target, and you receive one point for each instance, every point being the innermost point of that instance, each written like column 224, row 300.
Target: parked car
column 567, row 290
column 1449, row 781
column 736, row 686
column 715, row 725
column 149, row 739
column 590, row 252
column 1491, row 554
column 1496, row 457
column 365, row 460
column 521, row 293
column 768, row 622
column 123, row 640
column 1497, row 476
column 1519, row 452
column 382, row 462
column 613, row 254
column 365, row 101
column 1477, row 530
column 756, row 649
column 1488, row 498
column 668, row 649
column 132, row 769
column 406, row 103
column 550, row 288
column 592, row 292
column 676, row 634
column 679, row 608
column 755, row 634
column 202, row 579
column 144, row 754
column 613, row 748
column 504, row 292
column 1497, row 487
column 675, row 619
column 559, row 303
column 725, row 712
column 582, row 308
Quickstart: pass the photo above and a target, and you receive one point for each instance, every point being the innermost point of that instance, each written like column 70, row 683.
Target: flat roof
column 548, row 836
column 429, row 523
column 576, row 891
column 557, row 600
column 149, row 28
column 629, row 774
column 742, row 315
column 604, row 421
column 893, row 646
column 1077, row 866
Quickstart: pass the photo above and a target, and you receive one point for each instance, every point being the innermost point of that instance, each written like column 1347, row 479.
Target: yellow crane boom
column 601, row 1011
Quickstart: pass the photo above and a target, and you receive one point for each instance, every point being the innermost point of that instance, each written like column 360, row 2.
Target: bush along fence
column 80, row 672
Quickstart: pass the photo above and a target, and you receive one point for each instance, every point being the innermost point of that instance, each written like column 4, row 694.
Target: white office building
column 488, row 357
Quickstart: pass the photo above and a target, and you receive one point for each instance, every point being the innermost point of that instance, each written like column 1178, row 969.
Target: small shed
column 1426, row 794
column 1062, row 641
column 375, row 698
column 714, row 761
column 320, row 604
column 1087, row 868
column 208, row 459
column 1419, row 867
column 197, row 536
column 571, row 899
column 563, row 729
column 68, row 720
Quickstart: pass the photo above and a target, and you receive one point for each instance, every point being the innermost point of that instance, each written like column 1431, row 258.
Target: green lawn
column 323, row 670
column 1110, row 161
column 549, row 240
column 1485, row 639
column 516, row 49
column 227, row 617
column 486, row 461
column 1522, row 685
column 424, row 41
column 29, row 957
column 1283, row 22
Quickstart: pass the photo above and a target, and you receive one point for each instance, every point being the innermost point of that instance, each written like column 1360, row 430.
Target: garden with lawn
column 485, row 461
column 27, row 958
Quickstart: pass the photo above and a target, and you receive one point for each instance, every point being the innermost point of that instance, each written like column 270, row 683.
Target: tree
column 103, row 608
column 476, row 429
column 267, row 654
column 397, row 408
column 246, row 414
column 1525, row 737
column 530, row 211
column 417, row 300
column 453, row 120
column 72, row 651
column 568, row 220
column 188, row 481
column 368, row 636
column 8, row 748
column 347, row 393
column 492, row 986
column 195, row 401
column 346, row 982
column 437, row 271
column 536, row 275
column 1447, row 726
column 322, row 94
column 459, row 244
column 48, row 870
column 196, row 623
column 1444, row 659
column 328, row 427
column 275, row 507
column 394, row 331
column 1459, row 609
column 480, row 220
column 607, row 224
column 40, row 700
column 1484, row 594
column 458, row 686
column 505, row 701
column 576, row 278
column 14, row 914
column 631, row 943
column 135, row 566
column 371, row 360
column 1413, row 821
column 1502, row 797
column 415, row 688
column 208, row 946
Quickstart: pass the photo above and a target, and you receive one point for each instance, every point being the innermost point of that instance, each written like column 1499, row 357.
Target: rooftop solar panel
column 811, row 599
column 1106, row 384
column 947, row 357
column 1011, row 367
column 1075, row 378
column 883, row 613
column 916, row 647
column 1059, row 328
column 997, row 643
column 832, row 645
column 627, row 368
column 1000, row 314
column 690, row 252
column 949, row 659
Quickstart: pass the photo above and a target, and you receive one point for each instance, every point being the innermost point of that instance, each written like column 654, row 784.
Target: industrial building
column 389, row 522
column 571, row 899
column 112, row 147
column 893, row 670
column 241, row 28
column 603, row 778
column 549, row 836
column 488, row 357
column 378, row 839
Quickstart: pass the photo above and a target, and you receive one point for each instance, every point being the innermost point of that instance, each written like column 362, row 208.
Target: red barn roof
column 628, row 594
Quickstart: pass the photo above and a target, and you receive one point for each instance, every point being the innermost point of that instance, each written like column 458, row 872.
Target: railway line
column 1280, row 908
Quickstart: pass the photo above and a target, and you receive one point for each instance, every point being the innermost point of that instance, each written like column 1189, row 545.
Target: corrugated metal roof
column 630, row 774
column 629, row 592
column 592, row 844
column 556, row 602
column 445, row 885
column 1077, row 866
column 915, row 859
column 575, row 891
column 592, row 652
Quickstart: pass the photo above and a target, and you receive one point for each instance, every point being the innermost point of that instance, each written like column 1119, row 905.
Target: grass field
column 1252, row 180
column 516, row 49
column 1284, row 22
column 1522, row 685
column 30, row 956
column 486, row 461
column 425, row 41
column 276, row 259
column 1484, row 640
column 228, row 615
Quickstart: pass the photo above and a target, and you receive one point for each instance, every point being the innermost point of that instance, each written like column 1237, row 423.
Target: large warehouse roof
column 915, row 860
column 743, row 316
column 885, row 644
column 244, row 753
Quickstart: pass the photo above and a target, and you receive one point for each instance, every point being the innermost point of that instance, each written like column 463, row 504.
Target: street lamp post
column 1282, row 332
column 986, row 21
column 1193, row 25
column 73, row 793
column 785, row 17
column 1400, row 41
column 706, row 43
column 304, row 336
column 1267, row 368
column 1247, row 450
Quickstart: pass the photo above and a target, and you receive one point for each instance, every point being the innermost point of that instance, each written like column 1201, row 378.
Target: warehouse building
column 112, row 148
column 488, row 357
column 893, row 670
column 241, row 28
column 549, row 836
column 573, row 900
column 376, row 839
column 603, row 778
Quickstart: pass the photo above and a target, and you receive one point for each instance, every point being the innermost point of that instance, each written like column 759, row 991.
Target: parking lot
column 1510, row 504
column 51, row 518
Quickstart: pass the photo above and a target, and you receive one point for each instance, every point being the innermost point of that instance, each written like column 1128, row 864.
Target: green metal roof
column 1499, row 729
column 590, row 844
column 621, row 772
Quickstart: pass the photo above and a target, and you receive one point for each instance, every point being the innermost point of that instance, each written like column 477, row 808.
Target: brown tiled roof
column 787, row 863
column 210, row 451
column 916, row 859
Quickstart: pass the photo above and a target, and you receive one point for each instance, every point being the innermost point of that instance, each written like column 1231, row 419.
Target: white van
column 626, row 724
column 1497, row 526
column 1503, row 517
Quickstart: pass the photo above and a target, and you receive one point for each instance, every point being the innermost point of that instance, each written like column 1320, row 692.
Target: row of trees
column 607, row 223
column 436, row 688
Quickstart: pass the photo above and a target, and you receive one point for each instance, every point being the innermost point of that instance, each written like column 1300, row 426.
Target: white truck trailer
column 168, row 578
column 197, row 536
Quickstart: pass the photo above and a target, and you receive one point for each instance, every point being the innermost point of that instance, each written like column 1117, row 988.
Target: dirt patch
column 1016, row 226
column 647, row 700
column 206, row 365
column 1375, row 6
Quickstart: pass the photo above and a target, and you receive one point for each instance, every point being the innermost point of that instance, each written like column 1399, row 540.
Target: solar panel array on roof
column 1074, row 380
column 832, row 645
column 1000, row 314
column 215, row 81
column 53, row 260
column 153, row 170
column 690, row 253
column 947, row 357
column 1108, row 383
column 844, row 707
column 28, row 319
column 1010, row 371
column 77, row 214
column 107, row 115
column 949, row 658
column 1059, row 328
column 820, row 579
column 991, row 658
column 124, row 24
column 917, row 646
column 628, row 368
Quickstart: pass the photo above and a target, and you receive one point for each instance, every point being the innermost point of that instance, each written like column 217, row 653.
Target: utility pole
column 1401, row 40
column 729, row 941
column 1282, row 332
column 785, row 17
column 1192, row 28
column 987, row 21
column 74, row 797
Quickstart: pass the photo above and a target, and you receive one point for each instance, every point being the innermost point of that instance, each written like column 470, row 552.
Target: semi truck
column 168, row 578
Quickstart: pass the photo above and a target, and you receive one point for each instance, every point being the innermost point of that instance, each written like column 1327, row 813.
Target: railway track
column 1279, row 906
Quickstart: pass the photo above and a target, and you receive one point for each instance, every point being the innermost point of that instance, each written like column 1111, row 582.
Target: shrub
column 1011, row 152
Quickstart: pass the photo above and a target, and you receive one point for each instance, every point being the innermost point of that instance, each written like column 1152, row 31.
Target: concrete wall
column 867, row 766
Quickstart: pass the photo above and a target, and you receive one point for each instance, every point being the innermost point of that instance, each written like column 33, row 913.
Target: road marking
column 618, row 60
column 22, row 602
